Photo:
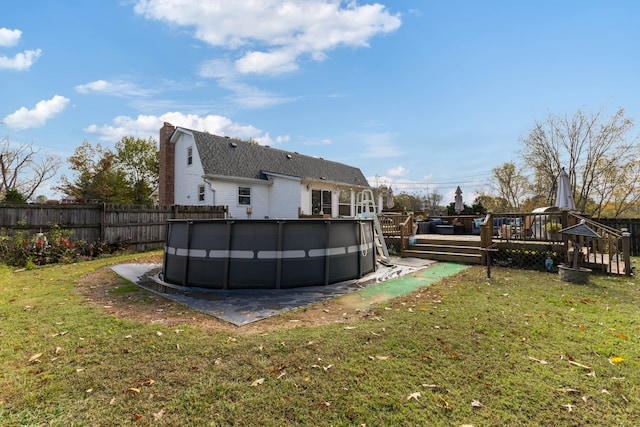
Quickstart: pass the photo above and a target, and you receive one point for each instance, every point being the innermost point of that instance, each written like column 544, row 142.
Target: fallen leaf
column 616, row 359
column 138, row 416
column 326, row 368
column 35, row 357
column 112, row 401
column 159, row 333
column 257, row 382
column 540, row 361
column 569, row 406
column 159, row 414
column 348, row 328
column 476, row 404
column 604, row 391
column 415, row 395
column 326, row 404
column 133, row 390
column 568, row 390
column 282, row 374
column 149, row 382
column 382, row 357
column 579, row 364
column 445, row 404
column 89, row 390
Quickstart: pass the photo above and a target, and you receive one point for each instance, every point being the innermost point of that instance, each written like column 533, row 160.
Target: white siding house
column 253, row 181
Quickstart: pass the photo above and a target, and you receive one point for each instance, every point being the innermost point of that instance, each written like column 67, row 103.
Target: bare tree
column 24, row 169
column 595, row 151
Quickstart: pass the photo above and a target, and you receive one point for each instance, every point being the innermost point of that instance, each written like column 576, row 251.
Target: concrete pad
column 241, row 307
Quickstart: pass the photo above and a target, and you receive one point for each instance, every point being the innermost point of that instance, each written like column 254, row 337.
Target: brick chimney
column 167, row 160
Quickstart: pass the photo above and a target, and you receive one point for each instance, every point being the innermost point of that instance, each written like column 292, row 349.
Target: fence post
column 103, row 218
column 626, row 252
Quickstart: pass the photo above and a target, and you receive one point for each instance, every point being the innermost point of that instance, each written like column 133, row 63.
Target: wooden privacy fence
column 143, row 227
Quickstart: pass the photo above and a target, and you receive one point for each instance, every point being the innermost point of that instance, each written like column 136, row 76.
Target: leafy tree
column 13, row 196
column 598, row 154
column 492, row 203
column 96, row 180
column 138, row 160
column 511, row 185
column 24, row 169
column 407, row 202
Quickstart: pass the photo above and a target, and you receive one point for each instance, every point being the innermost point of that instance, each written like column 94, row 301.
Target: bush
column 21, row 249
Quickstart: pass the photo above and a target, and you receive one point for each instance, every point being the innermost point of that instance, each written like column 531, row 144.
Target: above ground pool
column 267, row 254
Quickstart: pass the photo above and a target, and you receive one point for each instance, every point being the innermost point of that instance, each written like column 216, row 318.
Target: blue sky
column 421, row 95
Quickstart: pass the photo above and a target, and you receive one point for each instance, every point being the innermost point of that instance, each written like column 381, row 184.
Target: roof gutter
column 213, row 177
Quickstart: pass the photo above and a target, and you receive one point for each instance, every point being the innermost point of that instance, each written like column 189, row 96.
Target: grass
column 520, row 349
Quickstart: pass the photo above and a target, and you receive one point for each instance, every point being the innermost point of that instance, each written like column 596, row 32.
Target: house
column 253, row 181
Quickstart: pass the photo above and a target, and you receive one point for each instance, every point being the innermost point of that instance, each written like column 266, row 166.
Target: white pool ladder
column 366, row 209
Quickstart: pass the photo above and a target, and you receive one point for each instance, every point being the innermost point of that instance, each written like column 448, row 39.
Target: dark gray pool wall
column 267, row 254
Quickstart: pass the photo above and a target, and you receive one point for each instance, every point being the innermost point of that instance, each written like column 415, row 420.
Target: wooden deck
column 466, row 249
column 526, row 238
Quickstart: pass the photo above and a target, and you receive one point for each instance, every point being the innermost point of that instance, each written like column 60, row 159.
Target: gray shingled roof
column 232, row 157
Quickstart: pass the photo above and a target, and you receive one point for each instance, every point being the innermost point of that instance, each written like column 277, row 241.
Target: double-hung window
column 244, row 196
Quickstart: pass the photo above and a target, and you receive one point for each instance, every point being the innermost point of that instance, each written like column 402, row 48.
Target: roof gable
column 236, row 158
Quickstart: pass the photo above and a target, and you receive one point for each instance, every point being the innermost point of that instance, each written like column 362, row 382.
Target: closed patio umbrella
column 564, row 198
column 459, row 206
column 390, row 201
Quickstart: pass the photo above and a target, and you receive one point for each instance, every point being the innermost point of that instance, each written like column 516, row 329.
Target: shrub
column 21, row 249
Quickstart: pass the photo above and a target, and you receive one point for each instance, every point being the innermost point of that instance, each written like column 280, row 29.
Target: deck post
column 486, row 235
column 626, row 252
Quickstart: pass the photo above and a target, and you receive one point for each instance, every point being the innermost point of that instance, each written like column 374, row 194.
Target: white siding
column 284, row 197
column 188, row 177
column 281, row 197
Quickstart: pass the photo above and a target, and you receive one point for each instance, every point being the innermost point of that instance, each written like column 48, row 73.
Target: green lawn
column 521, row 348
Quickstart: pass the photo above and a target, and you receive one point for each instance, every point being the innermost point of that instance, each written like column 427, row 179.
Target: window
column 201, row 193
column 344, row 203
column 189, row 156
column 244, row 196
column 321, row 202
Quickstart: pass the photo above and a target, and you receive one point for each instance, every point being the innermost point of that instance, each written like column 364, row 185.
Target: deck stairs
column 366, row 209
column 465, row 251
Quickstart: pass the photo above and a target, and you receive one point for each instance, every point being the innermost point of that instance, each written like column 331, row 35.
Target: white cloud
column 380, row 145
column 275, row 34
column 244, row 95
column 397, row 171
column 115, row 88
column 21, row 61
column 9, row 37
column 43, row 111
column 145, row 126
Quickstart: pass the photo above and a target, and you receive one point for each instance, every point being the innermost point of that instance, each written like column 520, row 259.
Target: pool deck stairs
column 455, row 248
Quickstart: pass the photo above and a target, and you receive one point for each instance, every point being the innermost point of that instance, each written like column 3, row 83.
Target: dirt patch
column 116, row 296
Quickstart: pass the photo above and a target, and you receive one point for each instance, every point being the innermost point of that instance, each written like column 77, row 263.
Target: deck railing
column 396, row 228
column 609, row 253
